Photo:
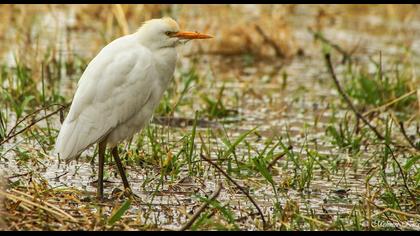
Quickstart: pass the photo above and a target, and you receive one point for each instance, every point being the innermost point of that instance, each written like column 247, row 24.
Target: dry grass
column 2, row 188
column 31, row 208
column 234, row 26
column 34, row 205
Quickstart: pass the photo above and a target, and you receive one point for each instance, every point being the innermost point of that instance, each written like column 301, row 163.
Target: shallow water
column 276, row 111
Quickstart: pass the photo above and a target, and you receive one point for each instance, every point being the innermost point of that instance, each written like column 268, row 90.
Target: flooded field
column 255, row 114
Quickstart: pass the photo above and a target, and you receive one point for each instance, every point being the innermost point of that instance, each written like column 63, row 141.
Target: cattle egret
column 119, row 91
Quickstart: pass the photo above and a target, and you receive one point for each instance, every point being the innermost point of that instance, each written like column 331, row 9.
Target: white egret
column 119, row 91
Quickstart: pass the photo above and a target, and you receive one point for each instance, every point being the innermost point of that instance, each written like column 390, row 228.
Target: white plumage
column 108, row 100
column 120, row 88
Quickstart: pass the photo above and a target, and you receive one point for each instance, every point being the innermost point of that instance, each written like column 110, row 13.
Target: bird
column 119, row 90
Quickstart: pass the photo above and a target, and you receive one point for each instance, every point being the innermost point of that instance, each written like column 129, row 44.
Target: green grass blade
column 237, row 141
column 119, row 212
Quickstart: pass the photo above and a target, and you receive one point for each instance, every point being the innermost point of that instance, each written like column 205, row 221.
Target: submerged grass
column 322, row 169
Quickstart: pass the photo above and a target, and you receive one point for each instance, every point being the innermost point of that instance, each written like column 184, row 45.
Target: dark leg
column 102, row 147
column 120, row 167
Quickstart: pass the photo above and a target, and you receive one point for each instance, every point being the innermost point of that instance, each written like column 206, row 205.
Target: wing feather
column 114, row 87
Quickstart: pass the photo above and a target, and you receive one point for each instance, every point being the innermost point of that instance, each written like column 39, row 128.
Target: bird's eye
column 168, row 33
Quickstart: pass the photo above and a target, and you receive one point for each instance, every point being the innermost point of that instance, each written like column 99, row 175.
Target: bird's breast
column 165, row 62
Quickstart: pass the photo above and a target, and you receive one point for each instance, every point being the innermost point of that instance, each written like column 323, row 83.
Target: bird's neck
column 164, row 56
column 165, row 59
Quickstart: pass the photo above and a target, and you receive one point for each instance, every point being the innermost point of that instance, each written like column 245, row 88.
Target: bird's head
column 165, row 32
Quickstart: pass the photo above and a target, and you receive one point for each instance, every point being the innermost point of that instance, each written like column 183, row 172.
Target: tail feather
column 77, row 135
column 65, row 145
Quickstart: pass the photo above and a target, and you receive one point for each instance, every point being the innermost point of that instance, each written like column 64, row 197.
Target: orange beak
column 192, row 35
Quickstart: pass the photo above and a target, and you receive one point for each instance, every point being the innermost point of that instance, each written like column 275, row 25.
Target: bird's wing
column 114, row 87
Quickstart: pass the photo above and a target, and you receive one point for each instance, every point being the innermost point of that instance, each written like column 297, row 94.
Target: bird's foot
column 133, row 196
column 100, row 198
column 127, row 193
